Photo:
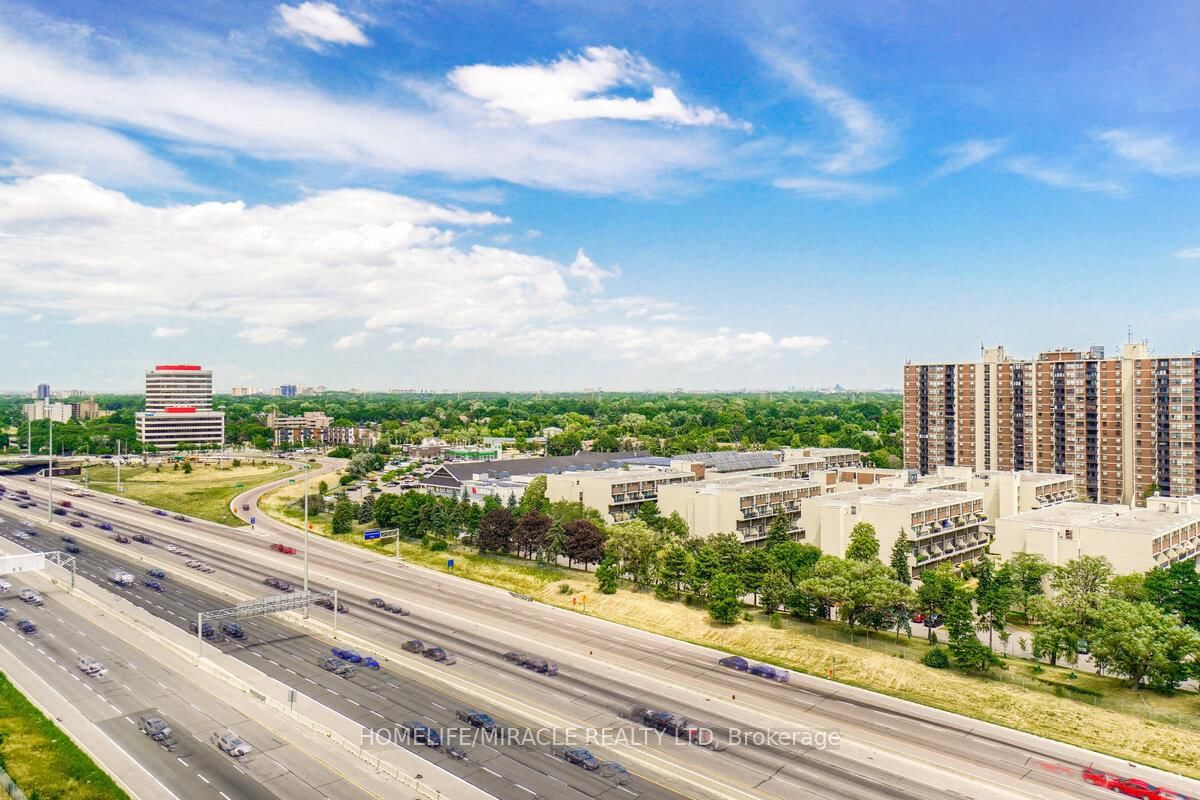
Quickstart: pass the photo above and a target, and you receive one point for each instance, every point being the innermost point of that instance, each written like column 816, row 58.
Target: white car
column 5, row 586
column 232, row 744
column 31, row 597
column 193, row 563
column 91, row 666
column 172, row 548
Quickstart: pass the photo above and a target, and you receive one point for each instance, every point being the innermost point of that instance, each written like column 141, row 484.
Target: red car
column 283, row 548
column 1129, row 787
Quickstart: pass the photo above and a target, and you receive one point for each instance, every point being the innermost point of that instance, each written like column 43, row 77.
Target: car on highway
column 325, row 602
column 104, row 526
column 735, row 662
column 154, row 727
column 370, row 662
column 208, row 629
column 156, row 573
column 181, row 518
column 90, row 666
column 5, row 586
column 32, row 597
column 26, row 627
column 3, row 612
column 21, row 536
column 192, row 563
column 676, row 725
column 121, row 538
column 516, row 657
column 160, row 512
column 233, row 629
column 173, row 549
column 63, row 504
column 768, row 671
column 143, row 538
column 413, row 646
column 231, row 744
column 68, row 539
column 346, row 655
column 395, row 609
column 287, row 550
column 76, row 523
column 153, row 585
column 206, row 568
column 83, row 514
column 476, row 719
column 423, row 734
column 541, row 665
column 337, row 667
column 73, row 549
column 116, row 502
column 582, row 757
column 435, row 653
column 245, row 506
column 377, row 602
column 62, row 512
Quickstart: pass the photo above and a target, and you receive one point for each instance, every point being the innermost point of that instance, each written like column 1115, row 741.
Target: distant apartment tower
column 243, row 391
column 287, row 390
column 43, row 391
column 179, row 408
column 44, row 409
column 1121, row 425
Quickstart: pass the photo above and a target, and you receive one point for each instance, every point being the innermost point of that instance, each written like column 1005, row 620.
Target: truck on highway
column 120, row 577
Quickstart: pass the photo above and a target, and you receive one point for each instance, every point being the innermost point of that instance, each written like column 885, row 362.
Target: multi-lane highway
column 890, row 749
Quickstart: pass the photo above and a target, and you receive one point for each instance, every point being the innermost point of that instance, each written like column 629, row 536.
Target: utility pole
column 118, row 466
column 306, row 542
column 50, row 473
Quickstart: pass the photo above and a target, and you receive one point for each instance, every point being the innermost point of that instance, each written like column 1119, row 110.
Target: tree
column 779, row 531
column 673, row 566
column 936, row 592
column 774, row 590
column 607, row 574
column 387, row 510
column 901, row 552
column 648, row 513
column 322, row 487
column 794, row 559
column 1176, row 589
column 1144, row 644
column 1056, row 635
column 511, row 503
column 496, row 531
column 567, row 443
column 584, row 542
column 724, row 598
column 531, row 533
column 674, row 526
column 634, row 545
column 534, row 499
column 754, row 567
column 1025, row 573
column 968, row 652
column 187, row 468
column 993, row 598
column 864, row 543
column 1080, row 587
column 343, row 515
column 366, row 509
column 861, row 591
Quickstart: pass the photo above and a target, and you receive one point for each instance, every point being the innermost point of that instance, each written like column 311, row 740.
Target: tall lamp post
column 306, row 539
column 50, row 473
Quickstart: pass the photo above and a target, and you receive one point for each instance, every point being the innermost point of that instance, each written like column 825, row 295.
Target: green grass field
column 205, row 493
column 43, row 761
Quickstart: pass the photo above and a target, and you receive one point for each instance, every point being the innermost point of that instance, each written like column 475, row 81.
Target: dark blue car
column 156, row 573
column 346, row 655
column 423, row 734
column 155, row 585
column 735, row 662
column 767, row 671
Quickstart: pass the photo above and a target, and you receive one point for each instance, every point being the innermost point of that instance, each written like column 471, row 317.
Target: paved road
column 938, row 755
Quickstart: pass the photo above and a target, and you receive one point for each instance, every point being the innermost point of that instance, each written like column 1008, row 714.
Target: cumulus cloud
column 1035, row 170
column 967, row 154
column 806, row 344
column 833, row 189
column 270, row 335
column 421, row 127
column 1156, row 153
column 578, row 87
column 350, row 341
column 426, row 343
column 316, row 25
column 866, row 139
column 589, row 271
column 168, row 333
column 1188, row 253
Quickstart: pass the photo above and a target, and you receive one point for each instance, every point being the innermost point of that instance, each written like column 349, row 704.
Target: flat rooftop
column 913, row 497
column 1105, row 517
column 631, row 474
column 1026, row 476
column 753, row 485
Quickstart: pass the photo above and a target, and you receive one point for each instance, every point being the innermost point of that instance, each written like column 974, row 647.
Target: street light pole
column 50, row 473
column 118, row 466
column 306, row 539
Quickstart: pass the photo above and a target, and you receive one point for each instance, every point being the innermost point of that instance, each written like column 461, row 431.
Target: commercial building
column 1123, row 426
column 745, row 505
column 450, row 477
column 88, row 409
column 287, row 390
column 43, row 391
column 309, row 427
column 179, row 408
column 243, row 391
column 943, row 525
column 467, row 453
column 44, row 409
column 1133, row 539
column 617, row 493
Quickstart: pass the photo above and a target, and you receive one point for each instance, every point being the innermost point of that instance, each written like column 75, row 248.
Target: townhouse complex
column 1123, row 426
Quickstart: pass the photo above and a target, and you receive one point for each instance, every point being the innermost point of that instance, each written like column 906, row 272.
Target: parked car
column 934, row 621
column 155, row 728
column 735, row 662
column 476, row 719
column 768, row 671
column 144, row 539
column 423, row 734
column 413, row 646
column 104, row 526
column 584, row 758
column 231, row 744
column 153, row 584
column 26, row 627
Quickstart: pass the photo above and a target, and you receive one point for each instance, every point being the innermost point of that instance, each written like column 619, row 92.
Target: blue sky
column 539, row 195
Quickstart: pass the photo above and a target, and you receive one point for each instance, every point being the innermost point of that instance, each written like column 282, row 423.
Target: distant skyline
column 509, row 196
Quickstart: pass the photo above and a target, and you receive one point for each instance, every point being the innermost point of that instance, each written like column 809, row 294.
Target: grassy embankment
column 43, row 760
column 1098, row 713
column 204, row 493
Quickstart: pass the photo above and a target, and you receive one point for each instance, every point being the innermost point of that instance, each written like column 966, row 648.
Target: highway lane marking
column 201, row 777
column 439, row 705
column 181, row 761
column 353, row 701
column 519, row 786
column 225, row 795
column 497, row 774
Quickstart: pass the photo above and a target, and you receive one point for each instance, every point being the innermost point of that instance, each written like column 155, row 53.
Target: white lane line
column 181, row 761
column 439, row 705
column 497, row 774
column 522, row 788
column 201, row 777
column 354, row 701
column 223, row 794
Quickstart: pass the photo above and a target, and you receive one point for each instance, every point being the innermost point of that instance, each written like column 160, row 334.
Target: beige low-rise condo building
column 616, row 493
column 743, row 505
column 1133, row 539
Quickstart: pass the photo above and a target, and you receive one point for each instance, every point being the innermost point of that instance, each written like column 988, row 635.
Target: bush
column 565, row 588
column 937, row 657
column 775, row 620
column 237, row 462
column 439, row 546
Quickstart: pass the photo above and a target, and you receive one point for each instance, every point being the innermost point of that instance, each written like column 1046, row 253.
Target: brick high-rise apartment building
column 1120, row 425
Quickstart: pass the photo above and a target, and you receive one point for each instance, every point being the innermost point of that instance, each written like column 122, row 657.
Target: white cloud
column 967, row 154
column 833, row 189
column 395, row 347
column 1157, row 154
column 168, row 333
column 574, row 87
column 418, row 127
column 36, row 317
column 426, row 343
column 589, row 271
column 350, row 341
column 805, row 344
column 866, row 141
column 1035, row 170
column 1188, row 253
column 319, row 24
column 270, row 335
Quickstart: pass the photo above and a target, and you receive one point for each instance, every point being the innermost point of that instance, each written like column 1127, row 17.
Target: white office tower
column 179, row 408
